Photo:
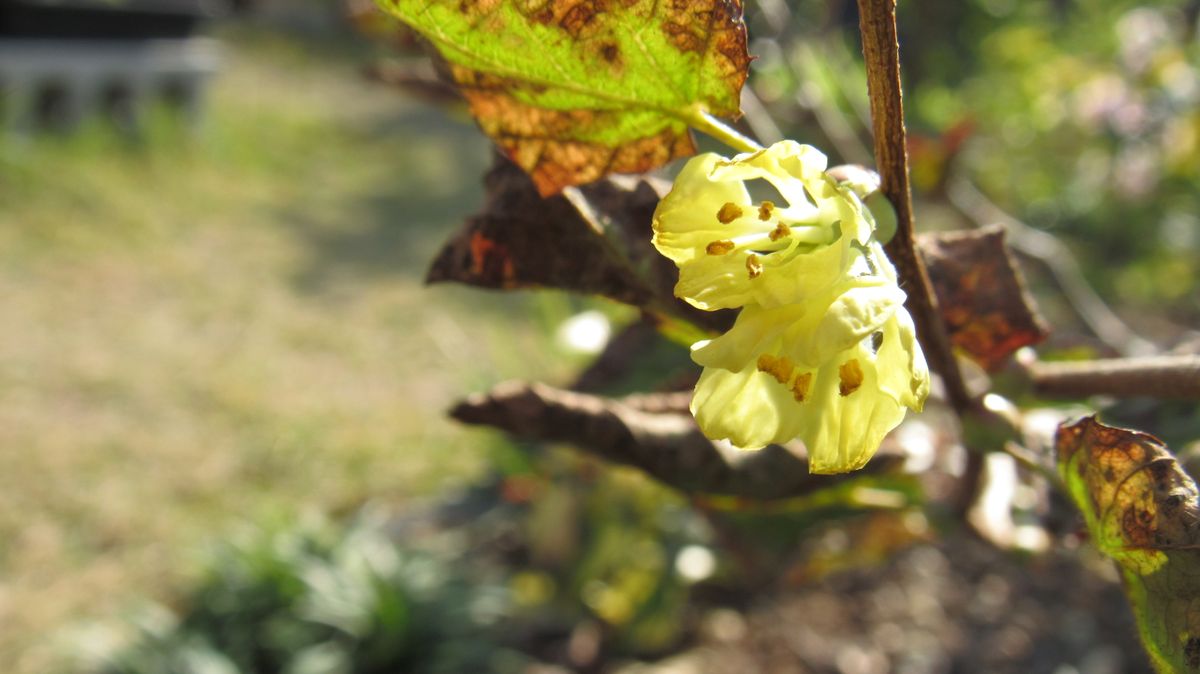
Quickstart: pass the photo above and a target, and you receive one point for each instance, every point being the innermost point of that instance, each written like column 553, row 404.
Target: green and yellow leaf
column 573, row 90
column 1142, row 510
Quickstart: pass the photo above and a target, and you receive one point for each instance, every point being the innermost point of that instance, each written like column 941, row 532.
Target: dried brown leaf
column 981, row 294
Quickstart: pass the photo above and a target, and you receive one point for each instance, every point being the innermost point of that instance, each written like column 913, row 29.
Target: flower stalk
column 700, row 119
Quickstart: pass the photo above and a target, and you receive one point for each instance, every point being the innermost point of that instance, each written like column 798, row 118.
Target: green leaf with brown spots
column 573, row 90
column 1142, row 510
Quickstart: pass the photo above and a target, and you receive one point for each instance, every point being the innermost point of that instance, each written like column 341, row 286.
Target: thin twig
column 655, row 434
column 881, row 51
column 1047, row 249
column 758, row 118
column 1154, row 376
column 838, row 51
column 416, row 77
column 828, row 116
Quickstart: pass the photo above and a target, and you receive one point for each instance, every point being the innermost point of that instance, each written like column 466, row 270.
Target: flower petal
column 809, row 332
column 731, row 251
column 904, row 374
column 841, row 409
column 852, row 414
column 686, row 220
column 748, row 407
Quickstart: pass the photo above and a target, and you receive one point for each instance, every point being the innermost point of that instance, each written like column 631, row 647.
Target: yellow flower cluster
column 823, row 348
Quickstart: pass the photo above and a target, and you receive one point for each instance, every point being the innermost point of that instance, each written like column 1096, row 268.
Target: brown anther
column 781, row 230
column 851, row 376
column 718, row 247
column 780, row 368
column 754, row 265
column 764, row 210
column 729, row 212
column 801, row 385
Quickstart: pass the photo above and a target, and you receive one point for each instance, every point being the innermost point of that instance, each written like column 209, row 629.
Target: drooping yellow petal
column 841, row 409
column 749, row 408
column 807, row 332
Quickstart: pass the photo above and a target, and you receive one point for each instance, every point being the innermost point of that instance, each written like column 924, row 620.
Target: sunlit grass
column 199, row 331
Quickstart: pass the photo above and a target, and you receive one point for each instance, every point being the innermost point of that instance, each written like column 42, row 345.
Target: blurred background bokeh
column 223, row 447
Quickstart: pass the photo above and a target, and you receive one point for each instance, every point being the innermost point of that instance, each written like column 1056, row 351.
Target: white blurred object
column 919, row 441
column 695, row 563
column 992, row 513
column 586, row 332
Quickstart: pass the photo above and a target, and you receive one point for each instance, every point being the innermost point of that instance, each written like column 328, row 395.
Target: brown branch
column 881, row 52
column 652, row 435
column 1154, row 376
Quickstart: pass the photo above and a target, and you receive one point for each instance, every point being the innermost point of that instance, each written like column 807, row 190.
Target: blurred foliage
column 1080, row 117
column 309, row 600
column 217, row 323
column 589, row 555
column 554, row 558
column 1088, row 124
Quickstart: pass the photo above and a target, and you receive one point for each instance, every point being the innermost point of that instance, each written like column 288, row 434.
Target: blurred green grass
column 200, row 331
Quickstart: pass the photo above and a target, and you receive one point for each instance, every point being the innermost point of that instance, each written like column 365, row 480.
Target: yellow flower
column 732, row 251
column 841, row 408
column 837, row 371
column 823, row 349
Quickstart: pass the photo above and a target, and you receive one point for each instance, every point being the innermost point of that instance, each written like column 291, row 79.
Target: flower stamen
column 780, row 368
column 728, row 213
column 754, row 266
column 781, row 230
column 801, row 385
column 851, row 375
column 762, row 241
column 719, row 247
column 765, row 209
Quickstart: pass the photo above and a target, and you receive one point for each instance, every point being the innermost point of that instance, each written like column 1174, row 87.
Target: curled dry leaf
column 588, row 244
column 592, row 240
column 981, row 294
column 1142, row 510
column 573, row 90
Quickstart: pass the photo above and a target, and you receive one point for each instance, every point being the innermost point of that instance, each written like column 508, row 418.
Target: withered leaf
column 1142, row 510
column 981, row 294
column 573, row 90
column 593, row 240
